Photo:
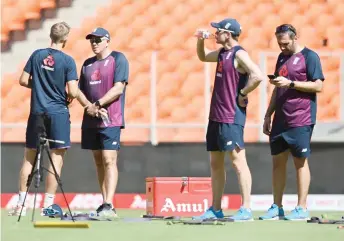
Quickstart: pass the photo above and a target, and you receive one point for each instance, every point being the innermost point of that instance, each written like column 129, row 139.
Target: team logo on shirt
column 219, row 69
column 48, row 63
column 95, row 77
column 283, row 71
column 296, row 60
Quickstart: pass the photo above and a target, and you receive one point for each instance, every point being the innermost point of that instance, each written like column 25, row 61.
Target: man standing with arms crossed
column 298, row 78
column 47, row 73
column 103, row 82
column 236, row 76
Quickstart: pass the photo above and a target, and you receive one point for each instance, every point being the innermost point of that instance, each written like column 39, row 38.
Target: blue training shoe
column 273, row 213
column 298, row 214
column 242, row 215
column 210, row 214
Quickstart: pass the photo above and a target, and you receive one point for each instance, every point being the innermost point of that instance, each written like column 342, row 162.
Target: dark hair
column 235, row 36
column 286, row 28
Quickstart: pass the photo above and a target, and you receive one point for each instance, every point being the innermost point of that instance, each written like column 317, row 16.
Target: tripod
column 37, row 172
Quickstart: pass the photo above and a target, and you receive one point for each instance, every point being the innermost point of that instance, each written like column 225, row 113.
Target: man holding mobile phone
column 103, row 83
column 293, row 101
column 235, row 78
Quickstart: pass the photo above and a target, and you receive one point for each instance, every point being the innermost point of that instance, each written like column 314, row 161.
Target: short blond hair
column 59, row 32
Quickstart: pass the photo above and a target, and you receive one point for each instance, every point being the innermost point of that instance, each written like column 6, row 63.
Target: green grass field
column 160, row 231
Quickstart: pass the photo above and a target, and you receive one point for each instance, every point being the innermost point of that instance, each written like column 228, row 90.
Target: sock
column 112, row 207
column 21, row 198
column 48, row 200
column 110, row 204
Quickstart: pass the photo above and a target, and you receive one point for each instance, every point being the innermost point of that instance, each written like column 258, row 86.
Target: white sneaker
column 42, row 214
column 16, row 211
column 107, row 211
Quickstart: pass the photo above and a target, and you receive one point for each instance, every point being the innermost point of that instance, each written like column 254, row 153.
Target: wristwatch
column 97, row 104
column 292, row 84
column 241, row 93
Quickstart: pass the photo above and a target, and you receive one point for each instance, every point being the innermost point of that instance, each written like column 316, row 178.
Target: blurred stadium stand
column 169, row 88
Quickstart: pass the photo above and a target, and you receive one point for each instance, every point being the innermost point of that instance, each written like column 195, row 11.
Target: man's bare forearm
column 308, row 86
column 272, row 104
column 252, row 83
column 255, row 75
column 82, row 99
column 111, row 95
column 27, row 85
column 200, row 49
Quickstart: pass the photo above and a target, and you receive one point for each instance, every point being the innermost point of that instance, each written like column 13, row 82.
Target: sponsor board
column 331, row 202
column 181, row 207
column 84, row 201
column 191, row 205
column 170, row 206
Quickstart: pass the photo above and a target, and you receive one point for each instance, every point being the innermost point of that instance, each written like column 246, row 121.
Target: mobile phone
column 271, row 76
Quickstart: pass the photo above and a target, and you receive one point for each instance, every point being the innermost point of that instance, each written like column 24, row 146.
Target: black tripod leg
column 34, row 204
column 38, row 176
column 58, row 180
column 28, row 183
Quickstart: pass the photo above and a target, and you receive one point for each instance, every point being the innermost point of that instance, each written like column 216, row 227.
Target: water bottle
column 205, row 34
column 106, row 120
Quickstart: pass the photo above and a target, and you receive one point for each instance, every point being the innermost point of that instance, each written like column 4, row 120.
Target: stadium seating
column 15, row 13
column 139, row 28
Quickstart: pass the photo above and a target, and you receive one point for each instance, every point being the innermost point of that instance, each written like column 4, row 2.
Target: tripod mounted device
column 36, row 174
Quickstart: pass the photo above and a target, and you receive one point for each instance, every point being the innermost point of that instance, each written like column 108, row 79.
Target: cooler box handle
column 184, row 184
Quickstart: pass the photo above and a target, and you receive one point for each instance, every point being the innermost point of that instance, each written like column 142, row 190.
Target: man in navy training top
column 299, row 77
column 47, row 73
column 102, row 83
column 236, row 76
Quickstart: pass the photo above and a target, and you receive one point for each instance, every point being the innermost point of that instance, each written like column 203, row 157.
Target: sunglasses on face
column 96, row 40
column 220, row 30
column 284, row 28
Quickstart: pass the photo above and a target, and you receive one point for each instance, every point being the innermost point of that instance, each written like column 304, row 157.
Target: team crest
column 95, row 75
column 48, row 63
column 283, row 71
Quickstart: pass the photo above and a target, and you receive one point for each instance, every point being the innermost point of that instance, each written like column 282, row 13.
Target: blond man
column 48, row 73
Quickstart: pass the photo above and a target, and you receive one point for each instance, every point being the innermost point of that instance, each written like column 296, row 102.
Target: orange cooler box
column 178, row 196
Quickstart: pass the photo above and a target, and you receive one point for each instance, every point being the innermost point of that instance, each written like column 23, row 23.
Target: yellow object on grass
column 43, row 224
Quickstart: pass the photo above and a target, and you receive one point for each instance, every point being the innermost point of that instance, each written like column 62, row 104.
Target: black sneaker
column 100, row 208
column 108, row 211
column 107, row 206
